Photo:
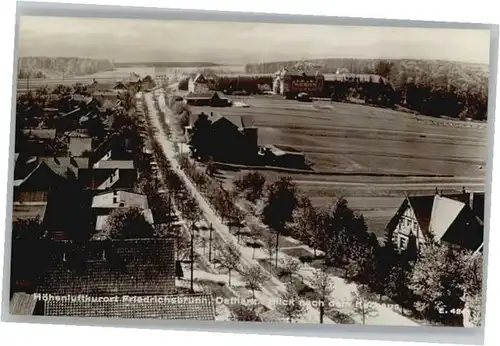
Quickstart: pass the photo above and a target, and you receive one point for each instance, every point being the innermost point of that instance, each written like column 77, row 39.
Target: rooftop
column 181, row 307
column 114, row 164
column 207, row 95
column 444, row 212
column 40, row 133
column 118, row 267
column 240, row 121
column 60, row 165
column 102, row 219
column 115, row 199
column 22, row 304
column 27, row 211
column 448, row 218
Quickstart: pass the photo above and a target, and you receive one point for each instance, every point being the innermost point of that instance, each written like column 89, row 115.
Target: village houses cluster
column 78, row 160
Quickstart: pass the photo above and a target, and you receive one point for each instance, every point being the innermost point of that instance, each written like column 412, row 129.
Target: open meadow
column 371, row 156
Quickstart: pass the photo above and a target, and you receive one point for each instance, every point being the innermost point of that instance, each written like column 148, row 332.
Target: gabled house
column 209, row 98
column 42, row 178
column 104, row 203
column 214, row 132
column 198, row 84
column 449, row 219
column 106, row 174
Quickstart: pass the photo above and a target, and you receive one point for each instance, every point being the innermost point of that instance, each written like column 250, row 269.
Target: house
column 198, row 84
column 449, row 219
column 225, row 138
column 80, row 145
column 30, row 205
column 210, row 98
column 109, row 268
column 45, row 175
column 112, row 148
column 292, row 83
column 104, row 203
column 30, row 171
column 120, row 86
column 106, row 174
column 108, row 95
column 282, row 156
column 40, row 134
column 107, row 201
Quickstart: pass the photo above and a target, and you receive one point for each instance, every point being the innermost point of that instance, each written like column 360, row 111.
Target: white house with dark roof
column 449, row 219
column 198, row 84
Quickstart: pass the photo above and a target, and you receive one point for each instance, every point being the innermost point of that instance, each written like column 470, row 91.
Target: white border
column 421, row 10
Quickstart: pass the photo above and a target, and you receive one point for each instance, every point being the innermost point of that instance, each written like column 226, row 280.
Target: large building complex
column 290, row 84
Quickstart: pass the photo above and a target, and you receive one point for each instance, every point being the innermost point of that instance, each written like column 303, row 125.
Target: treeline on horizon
column 431, row 87
column 167, row 64
column 46, row 67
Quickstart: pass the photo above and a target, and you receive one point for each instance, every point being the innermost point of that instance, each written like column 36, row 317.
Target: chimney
column 115, row 200
column 436, row 192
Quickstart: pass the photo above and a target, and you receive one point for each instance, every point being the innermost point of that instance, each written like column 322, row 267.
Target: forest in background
column 432, row 87
column 47, row 67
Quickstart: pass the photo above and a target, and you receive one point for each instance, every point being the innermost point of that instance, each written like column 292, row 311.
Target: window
column 402, row 242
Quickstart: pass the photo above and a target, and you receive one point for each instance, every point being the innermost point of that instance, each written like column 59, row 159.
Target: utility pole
column 210, row 244
column 277, row 247
column 192, row 260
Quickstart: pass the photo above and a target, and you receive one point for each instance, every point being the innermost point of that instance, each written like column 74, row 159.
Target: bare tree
column 323, row 286
column 290, row 305
column 254, row 277
column 229, row 256
column 361, row 303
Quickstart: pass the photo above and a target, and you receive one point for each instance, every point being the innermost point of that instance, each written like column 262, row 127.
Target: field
column 104, row 77
column 124, row 72
column 347, row 145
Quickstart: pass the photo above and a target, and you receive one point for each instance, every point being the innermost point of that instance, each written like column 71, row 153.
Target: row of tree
column 432, row 282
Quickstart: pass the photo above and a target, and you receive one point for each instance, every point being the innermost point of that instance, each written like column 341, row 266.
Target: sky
column 133, row 40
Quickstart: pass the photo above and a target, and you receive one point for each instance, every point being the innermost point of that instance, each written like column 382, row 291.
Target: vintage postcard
column 230, row 171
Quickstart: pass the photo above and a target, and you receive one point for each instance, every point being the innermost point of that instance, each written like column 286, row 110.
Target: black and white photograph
column 249, row 172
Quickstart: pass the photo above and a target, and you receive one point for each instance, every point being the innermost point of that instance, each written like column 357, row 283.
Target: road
column 385, row 315
column 274, row 286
